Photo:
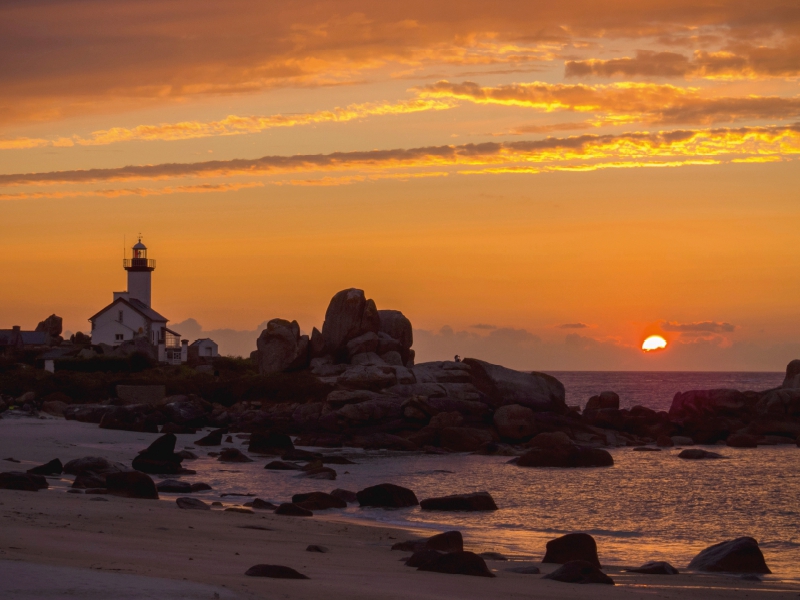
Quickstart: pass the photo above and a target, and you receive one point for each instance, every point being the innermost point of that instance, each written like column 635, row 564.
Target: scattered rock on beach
column 741, row 555
column 449, row 541
column 27, row 482
column 159, row 457
column 646, row 449
column 346, row 495
column 270, row 443
column 281, row 465
column 173, row 486
column 572, row 547
column 290, row 509
column 698, row 454
column 54, row 467
column 89, row 479
column 260, row 504
column 318, row 501
column 478, row 501
column 214, row 438
column 458, row 563
column 233, row 455
column 131, row 484
column 579, row 571
column 95, row 464
column 317, row 472
column 387, row 495
column 274, row 571
column 302, row 455
column 565, row 456
column 422, row 557
column 192, row 504
column 239, row 509
column 655, row 567
column 200, row 486
column 492, row 556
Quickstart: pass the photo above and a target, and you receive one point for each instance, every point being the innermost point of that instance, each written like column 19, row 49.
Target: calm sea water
column 656, row 389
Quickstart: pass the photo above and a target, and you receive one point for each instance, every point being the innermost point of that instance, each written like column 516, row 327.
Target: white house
column 130, row 315
column 203, row 348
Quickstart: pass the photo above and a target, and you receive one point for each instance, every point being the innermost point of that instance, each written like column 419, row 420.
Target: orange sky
column 570, row 176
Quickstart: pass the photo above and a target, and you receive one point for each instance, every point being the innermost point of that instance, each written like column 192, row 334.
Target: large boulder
column 603, row 401
column 52, row 326
column 349, row 316
column 270, row 442
column 514, row 422
column 86, row 413
column 579, row 571
column 131, row 484
column 463, row 439
column 387, row 495
column 477, row 501
column 782, row 404
column 792, row 379
column 502, row 386
column 573, row 546
column 54, row 467
column 318, row 501
column 449, row 541
column 698, row 454
column 27, row 482
column 189, row 411
column 458, row 563
column 93, row 464
column 159, row 457
column 741, row 555
column 282, row 348
column 565, row 456
column 701, row 404
column 396, row 326
column 655, row 567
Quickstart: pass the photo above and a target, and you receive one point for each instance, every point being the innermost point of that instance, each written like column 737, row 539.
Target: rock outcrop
column 282, row 348
column 571, row 547
column 478, row 501
column 502, row 386
column 387, row 495
column 741, row 555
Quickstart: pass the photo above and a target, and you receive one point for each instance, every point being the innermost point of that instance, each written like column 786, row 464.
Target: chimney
column 16, row 328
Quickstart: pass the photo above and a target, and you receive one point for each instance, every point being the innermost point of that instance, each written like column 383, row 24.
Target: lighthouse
column 140, row 270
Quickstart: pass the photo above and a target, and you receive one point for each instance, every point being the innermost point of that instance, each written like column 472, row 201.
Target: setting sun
column 654, row 342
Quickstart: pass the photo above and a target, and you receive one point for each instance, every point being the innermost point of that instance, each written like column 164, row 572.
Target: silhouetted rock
column 458, row 563
column 214, row 438
column 655, row 568
column 572, row 547
column 318, row 501
column 664, row 441
column 579, row 571
column 603, row 401
column 295, row 454
column 463, row 439
column 260, row 504
column 54, row 467
column 27, row 482
column 274, row 571
column 233, row 455
column 502, row 386
column 192, row 504
column 395, row 326
column 280, row 465
column 698, row 454
column 189, row 411
column 792, row 379
column 317, row 548
column 515, row 422
column 129, row 418
column 449, row 541
column 89, row 480
column 86, row 413
column 346, row 495
column 387, row 495
column 741, row 555
column 173, row 486
column 318, row 472
column 200, row 486
column 741, row 440
column 290, row 509
column 175, row 428
column 478, row 501
column 95, row 464
column 422, row 557
column 270, row 443
column 566, row 456
column 348, row 316
column 159, row 457
column 492, row 556
column 525, row 570
column 132, row 484
column 282, row 348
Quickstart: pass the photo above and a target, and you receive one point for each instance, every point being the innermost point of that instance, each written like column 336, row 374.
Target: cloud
column 621, row 103
column 116, row 193
column 623, row 151
column 699, row 327
column 483, row 326
column 746, row 62
column 573, row 326
column 232, row 342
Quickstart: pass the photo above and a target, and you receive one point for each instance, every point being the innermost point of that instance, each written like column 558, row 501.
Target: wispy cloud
column 483, row 326
column 699, row 327
column 573, row 326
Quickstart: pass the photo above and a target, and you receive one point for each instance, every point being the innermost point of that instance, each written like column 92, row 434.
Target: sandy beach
column 52, row 542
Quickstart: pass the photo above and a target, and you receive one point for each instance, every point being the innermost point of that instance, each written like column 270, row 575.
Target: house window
column 120, row 317
column 119, row 337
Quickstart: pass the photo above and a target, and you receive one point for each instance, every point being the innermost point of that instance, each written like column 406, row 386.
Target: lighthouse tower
column 140, row 269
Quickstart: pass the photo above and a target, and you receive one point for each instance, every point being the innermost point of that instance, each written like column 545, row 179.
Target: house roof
column 9, row 337
column 35, row 338
column 138, row 306
column 201, row 340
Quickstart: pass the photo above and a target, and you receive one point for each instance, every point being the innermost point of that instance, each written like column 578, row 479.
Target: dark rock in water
column 502, row 386
column 233, row 455
column 741, row 555
column 54, row 467
column 192, row 504
column 655, row 567
column 173, row 486
column 27, row 482
column 212, row 439
column 319, row 473
column 346, row 495
column 132, row 484
column 260, row 504
column 604, row 401
column 316, row 548
column 297, row 454
column 159, row 457
column 566, row 456
column 239, row 509
column 95, row 464
column 318, row 501
column 175, row 428
column 387, row 495
column 572, row 547
column 579, row 571
column 270, row 443
column 423, row 557
column 336, row 460
column 274, row 571
column 200, row 486
column 527, row 570
column 449, row 541
column 458, row 563
column 478, row 501
column 290, row 509
column 492, row 556
column 187, row 455
column 664, row 441
column 646, row 449
column 698, row 454
column 742, row 440
column 88, row 479
column 280, row 465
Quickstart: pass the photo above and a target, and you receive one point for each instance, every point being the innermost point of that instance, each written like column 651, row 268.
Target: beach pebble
column 192, row 504
column 654, row 567
column 572, row 547
column 741, row 555
column 274, row 571
column 458, row 563
column 478, row 501
column 579, row 571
